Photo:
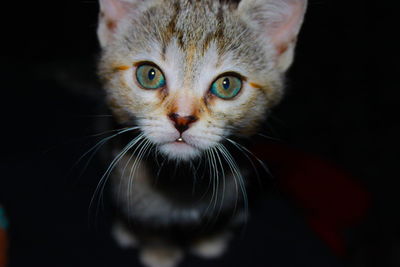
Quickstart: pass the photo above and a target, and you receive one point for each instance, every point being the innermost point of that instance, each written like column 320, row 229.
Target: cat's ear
column 114, row 12
column 280, row 22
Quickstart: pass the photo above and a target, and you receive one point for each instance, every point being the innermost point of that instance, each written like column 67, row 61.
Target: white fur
column 211, row 247
column 123, row 236
column 160, row 256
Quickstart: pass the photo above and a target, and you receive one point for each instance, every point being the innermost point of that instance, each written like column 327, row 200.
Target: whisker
column 247, row 156
column 269, row 137
column 194, row 178
column 244, row 149
column 142, row 147
column 137, row 140
column 210, row 174
column 97, row 146
column 113, row 131
column 215, row 181
column 107, row 173
column 236, row 172
column 159, row 171
column 231, row 169
column 95, row 116
column 223, row 180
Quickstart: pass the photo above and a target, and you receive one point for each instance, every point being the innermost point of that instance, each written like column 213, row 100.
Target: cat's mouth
column 179, row 149
column 182, row 142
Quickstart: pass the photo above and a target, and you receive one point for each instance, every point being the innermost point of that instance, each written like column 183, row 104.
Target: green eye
column 150, row 77
column 226, row 87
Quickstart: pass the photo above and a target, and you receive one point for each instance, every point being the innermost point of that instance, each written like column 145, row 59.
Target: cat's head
column 192, row 72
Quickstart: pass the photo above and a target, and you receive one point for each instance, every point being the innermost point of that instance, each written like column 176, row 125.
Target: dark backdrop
column 341, row 105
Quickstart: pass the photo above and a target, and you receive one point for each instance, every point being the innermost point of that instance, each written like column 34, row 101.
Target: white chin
column 179, row 151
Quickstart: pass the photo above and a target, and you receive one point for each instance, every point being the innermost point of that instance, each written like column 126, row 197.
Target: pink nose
column 182, row 123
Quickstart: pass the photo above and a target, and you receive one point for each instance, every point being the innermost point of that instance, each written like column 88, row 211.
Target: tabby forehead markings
column 191, row 59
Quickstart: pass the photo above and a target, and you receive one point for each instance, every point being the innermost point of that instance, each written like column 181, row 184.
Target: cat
column 184, row 78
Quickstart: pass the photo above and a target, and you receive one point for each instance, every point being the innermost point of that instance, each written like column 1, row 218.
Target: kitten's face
column 189, row 74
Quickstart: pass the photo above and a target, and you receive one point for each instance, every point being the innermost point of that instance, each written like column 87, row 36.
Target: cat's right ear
column 277, row 20
column 112, row 14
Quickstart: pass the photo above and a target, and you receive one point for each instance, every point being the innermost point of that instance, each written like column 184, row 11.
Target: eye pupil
column 226, row 83
column 151, row 74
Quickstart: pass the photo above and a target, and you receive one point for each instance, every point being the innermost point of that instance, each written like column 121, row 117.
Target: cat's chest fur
column 161, row 194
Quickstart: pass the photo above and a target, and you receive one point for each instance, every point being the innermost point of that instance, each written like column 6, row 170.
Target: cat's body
column 186, row 76
column 171, row 208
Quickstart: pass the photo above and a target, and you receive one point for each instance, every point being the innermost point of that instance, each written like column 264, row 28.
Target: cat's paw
column 211, row 247
column 124, row 238
column 160, row 256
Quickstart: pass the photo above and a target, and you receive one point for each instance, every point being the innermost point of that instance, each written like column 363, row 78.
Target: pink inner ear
column 111, row 14
column 113, row 11
column 285, row 30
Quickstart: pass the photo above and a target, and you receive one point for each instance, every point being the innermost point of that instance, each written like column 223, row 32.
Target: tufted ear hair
column 279, row 21
column 115, row 12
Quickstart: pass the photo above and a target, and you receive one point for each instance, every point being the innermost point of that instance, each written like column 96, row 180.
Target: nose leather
column 182, row 123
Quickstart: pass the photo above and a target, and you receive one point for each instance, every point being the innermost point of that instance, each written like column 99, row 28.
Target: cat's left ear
column 113, row 13
column 279, row 21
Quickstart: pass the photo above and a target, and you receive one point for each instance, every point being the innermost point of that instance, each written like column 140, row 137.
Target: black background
column 341, row 105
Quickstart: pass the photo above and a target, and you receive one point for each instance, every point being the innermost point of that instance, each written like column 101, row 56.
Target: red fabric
column 331, row 198
column 3, row 248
